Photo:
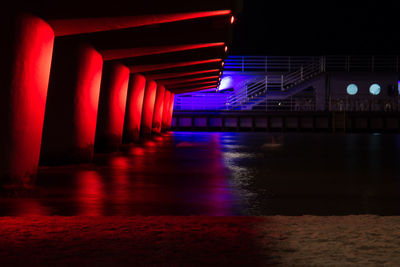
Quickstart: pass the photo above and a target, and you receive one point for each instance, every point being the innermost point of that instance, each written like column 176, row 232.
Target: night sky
column 317, row 27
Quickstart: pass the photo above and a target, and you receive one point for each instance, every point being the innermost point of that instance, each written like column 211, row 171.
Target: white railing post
column 281, row 82
column 266, row 84
column 301, row 73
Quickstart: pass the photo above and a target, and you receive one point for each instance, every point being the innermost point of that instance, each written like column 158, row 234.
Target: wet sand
column 214, row 199
column 200, row 241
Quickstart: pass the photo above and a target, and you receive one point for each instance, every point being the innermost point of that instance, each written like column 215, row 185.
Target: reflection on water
column 187, row 173
column 90, row 193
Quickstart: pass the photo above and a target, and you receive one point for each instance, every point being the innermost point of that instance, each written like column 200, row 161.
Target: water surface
column 193, row 173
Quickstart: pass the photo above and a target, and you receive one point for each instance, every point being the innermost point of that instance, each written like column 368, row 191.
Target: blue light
column 398, row 87
column 375, row 89
column 352, row 89
column 226, row 83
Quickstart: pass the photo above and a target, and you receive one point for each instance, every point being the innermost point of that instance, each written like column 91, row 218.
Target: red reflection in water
column 137, row 151
column 220, row 196
column 120, row 194
column 90, row 194
column 29, row 207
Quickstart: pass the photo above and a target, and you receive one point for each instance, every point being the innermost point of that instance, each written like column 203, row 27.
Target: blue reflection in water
column 187, row 173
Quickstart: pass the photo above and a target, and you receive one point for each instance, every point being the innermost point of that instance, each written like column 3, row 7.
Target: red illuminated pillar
column 112, row 103
column 148, row 108
column 71, row 110
column 134, row 107
column 158, row 109
column 24, row 74
column 171, row 109
column 167, row 97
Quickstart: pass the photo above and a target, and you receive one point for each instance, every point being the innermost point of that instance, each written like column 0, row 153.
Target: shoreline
column 366, row 240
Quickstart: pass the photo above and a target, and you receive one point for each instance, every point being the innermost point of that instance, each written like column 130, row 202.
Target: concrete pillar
column 24, row 74
column 158, row 108
column 71, row 110
column 148, row 108
column 112, row 104
column 167, row 97
column 171, row 109
column 134, row 108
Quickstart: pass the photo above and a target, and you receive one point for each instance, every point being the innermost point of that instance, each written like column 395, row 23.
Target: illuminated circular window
column 352, row 89
column 375, row 89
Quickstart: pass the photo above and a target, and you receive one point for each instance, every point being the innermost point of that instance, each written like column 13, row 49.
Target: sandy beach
column 200, row 240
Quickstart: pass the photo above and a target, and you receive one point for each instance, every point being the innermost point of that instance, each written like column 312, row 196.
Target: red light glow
column 180, row 74
column 87, row 94
column 148, row 107
column 179, row 81
column 158, row 109
column 64, row 27
column 112, row 104
column 232, row 19
column 134, row 108
column 194, row 89
column 146, row 68
column 90, row 195
column 194, row 84
column 171, row 109
column 24, row 101
column 167, row 98
column 113, row 54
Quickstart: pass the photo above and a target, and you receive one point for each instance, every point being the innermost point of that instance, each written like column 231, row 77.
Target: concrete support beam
column 25, row 70
column 134, row 108
column 171, row 109
column 112, row 104
column 154, row 67
column 71, row 110
column 167, row 98
column 158, row 109
column 148, row 108
column 64, row 27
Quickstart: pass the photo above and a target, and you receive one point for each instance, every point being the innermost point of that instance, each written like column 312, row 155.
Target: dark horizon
column 316, row 28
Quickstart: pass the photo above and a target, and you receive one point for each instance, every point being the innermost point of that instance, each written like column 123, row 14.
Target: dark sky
column 312, row 27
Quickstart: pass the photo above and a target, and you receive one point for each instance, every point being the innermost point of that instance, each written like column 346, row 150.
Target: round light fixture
column 375, row 89
column 352, row 89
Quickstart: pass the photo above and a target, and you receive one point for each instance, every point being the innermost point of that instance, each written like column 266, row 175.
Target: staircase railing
column 256, row 92
column 247, row 92
column 300, row 75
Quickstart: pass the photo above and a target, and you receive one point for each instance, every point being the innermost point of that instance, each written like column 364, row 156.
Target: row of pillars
column 60, row 103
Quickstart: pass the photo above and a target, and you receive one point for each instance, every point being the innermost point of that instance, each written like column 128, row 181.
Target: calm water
column 189, row 173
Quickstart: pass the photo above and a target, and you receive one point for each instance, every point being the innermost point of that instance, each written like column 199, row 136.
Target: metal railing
column 256, row 93
column 267, row 63
column 282, row 75
column 389, row 104
column 284, row 64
